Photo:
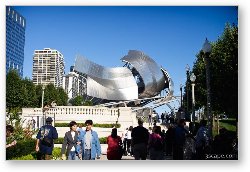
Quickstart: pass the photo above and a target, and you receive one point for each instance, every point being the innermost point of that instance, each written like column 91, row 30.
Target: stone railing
column 104, row 115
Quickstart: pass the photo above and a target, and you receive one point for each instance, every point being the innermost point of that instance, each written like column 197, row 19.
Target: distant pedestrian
column 154, row 124
column 162, row 118
column 124, row 140
column 70, row 141
column 150, row 119
column 140, row 138
column 80, row 129
column 129, row 139
column 156, row 144
column 114, row 151
column 33, row 123
column 90, row 143
column 45, row 140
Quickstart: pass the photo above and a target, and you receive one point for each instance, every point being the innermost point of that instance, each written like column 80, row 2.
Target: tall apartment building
column 74, row 84
column 15, row 40
column 48, row 67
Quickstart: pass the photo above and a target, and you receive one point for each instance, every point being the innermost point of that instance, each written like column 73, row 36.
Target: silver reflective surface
column 107, row 83
column 150, row 72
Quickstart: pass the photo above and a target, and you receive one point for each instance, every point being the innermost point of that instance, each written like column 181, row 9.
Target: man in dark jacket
column 70, row 141
column 45, row 140
column 140, row 138
column 179, row 140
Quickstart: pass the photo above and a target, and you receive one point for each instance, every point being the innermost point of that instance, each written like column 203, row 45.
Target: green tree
column 63, row 97
column 88, row 103
column 29, row 94
column 50, row 95
column 14, row 90
column 224, row 74
column 77, row 101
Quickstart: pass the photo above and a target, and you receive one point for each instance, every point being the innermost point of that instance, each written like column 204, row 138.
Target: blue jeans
column 72, row 156
column 87, row 155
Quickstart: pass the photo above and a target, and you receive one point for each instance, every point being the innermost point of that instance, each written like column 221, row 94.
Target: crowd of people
column 178, row 142
column 139, row 142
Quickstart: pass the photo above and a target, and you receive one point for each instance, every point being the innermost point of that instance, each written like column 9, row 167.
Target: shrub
column 22, row 148
column 94, row 125
column 59, row 140
column 26, row 157
column 56, row 153
column 103, row 140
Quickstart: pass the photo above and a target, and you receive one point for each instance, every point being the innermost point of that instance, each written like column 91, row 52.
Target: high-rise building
column 48, row 67
column 75, row 84
column 15, row 40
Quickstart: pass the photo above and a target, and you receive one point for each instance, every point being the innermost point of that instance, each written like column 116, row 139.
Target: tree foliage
column 14, row 90
column 223, row 72
column 23, row 93
column 79, row 101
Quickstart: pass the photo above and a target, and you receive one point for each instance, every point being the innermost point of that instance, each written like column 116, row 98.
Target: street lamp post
column 43, row 88
column 192, row 79
column 187, row 83
column 207, row 48
column 53, row 105
column 181, row 94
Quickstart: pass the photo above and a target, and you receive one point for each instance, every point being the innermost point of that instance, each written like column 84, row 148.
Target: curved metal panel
column 107, row 83
column 95, row 89
column 150, row 72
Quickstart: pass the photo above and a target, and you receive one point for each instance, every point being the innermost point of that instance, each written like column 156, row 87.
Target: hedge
column 94, row 125
column 26, row 157
column 25, row 149
column 56, row 154
column 103, row 140
column 22, row 148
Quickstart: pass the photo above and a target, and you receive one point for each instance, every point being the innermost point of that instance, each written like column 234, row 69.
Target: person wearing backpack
column 45, row 140
column 156, row 144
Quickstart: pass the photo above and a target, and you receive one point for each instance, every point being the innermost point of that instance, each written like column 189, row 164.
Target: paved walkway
column 104, row 157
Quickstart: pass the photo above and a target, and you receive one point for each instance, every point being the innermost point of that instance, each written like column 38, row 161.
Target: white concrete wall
column 101, row 115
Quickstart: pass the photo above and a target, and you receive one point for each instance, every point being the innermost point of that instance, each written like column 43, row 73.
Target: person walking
column 162, row 118
column 202, row 140
column 124, row 141
column 33, row 124
column 45, row 140
column 169, row 140
column 90, row 143
column 79, row 129
column 114, row 151
column 129, row 139
column 156, row 145
column 150, row 119
column 140, row 137
column 70, row 141
column 179, row 140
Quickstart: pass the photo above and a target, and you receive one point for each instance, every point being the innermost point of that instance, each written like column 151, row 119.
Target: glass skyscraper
column 15, row 40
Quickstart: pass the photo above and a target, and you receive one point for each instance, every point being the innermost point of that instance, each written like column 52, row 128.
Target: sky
column 171, row 35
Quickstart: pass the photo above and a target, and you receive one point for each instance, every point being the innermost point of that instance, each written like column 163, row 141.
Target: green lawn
column 229, row 124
